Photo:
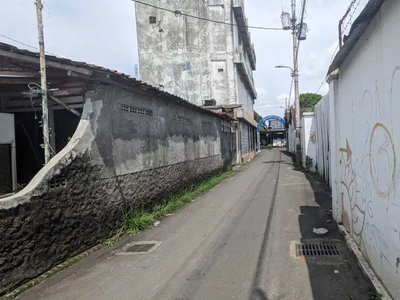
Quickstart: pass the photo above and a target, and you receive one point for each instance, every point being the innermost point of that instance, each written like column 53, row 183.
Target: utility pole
column 295, row 69
column 43, row 83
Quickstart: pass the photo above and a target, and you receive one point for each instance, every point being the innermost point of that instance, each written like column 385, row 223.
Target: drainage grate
column 140, row 247
column 317, row 249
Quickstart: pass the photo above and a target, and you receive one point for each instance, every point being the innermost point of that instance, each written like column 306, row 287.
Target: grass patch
column 137, row 220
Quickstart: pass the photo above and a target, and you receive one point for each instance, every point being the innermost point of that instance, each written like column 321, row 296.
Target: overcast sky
column 103, row 32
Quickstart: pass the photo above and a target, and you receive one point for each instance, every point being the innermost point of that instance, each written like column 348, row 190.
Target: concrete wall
column 8, row 166
column 321, row 111
column 242, row 91
column 291, row 132
column 309, row 140
column 366, row 185
column 207, row 46
column 130, row 150
column 244, row 97
column 245, row 137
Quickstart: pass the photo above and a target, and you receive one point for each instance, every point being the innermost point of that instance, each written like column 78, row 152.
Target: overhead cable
column 21, row 43
column 180, row 13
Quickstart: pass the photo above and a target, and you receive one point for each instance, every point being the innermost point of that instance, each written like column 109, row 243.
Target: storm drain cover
column 139, row 247
column 317, row 249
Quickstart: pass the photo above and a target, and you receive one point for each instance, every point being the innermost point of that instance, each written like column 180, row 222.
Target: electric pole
column 43, row 82
column 295, row 69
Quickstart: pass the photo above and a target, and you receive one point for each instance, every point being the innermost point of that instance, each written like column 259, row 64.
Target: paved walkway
column 235, row 242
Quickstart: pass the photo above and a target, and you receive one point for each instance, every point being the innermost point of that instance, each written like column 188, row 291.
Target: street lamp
column 286, row 67
column 299, row 32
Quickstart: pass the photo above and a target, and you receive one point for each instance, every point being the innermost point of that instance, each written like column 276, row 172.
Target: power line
column 291, row 88
column 330, row 62
column 180, row 13
column 298, row 45
column 300, row 29
column 21, row 43
column 348, row 22
column 11, row 39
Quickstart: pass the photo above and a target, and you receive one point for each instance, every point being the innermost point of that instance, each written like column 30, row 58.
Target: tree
column 257, row 117
column 308, row 101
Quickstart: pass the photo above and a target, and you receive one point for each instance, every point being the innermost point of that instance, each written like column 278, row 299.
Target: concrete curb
column 364, row 265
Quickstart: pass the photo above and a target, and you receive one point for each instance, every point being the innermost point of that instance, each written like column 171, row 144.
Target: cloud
column 271, row 106
column 103, row 32
column 261, row 92
column 317, row 63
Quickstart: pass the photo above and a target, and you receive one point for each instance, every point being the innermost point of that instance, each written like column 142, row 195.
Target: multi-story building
column 201, row 50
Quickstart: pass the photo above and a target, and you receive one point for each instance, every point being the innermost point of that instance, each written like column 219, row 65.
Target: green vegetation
column 137, row 220
column 257, row 117
column 308, row 101
column 309, row 163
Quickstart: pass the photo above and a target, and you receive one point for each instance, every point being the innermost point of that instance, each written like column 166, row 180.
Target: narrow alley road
column 234, row 242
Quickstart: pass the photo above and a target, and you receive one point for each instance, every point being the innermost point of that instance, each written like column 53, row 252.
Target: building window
column 220, row 70
column 152, row 20
column 186, row 66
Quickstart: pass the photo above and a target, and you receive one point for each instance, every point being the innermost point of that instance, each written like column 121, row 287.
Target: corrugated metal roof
column 356, row 31
column 137, row 83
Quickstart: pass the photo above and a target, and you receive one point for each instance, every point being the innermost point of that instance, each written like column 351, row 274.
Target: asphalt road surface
column 234, row 242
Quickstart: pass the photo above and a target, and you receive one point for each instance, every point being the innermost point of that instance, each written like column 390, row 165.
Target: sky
column 103, row 32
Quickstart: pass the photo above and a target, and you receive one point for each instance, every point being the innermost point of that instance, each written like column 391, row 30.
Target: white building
column 201, row 60
column 364, row 99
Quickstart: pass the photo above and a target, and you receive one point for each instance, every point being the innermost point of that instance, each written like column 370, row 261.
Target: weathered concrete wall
column 366, row 187
column 205, row 48
column 244, row 97
column 130, row 150
column 308, row 139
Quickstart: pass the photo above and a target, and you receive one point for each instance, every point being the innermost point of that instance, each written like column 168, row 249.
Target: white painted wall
column 308, row 139
column 321, row 111
column 7, row 136
column 244, row 97
column 7, row 131
column 292, row 138
column 367, row 117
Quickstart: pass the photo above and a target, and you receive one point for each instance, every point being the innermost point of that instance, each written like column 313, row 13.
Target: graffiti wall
column 368, row 145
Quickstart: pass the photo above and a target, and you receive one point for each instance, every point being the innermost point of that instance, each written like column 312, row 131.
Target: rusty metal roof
column 90, row 67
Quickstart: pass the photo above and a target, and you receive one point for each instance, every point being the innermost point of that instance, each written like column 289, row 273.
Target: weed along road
column 236, row 241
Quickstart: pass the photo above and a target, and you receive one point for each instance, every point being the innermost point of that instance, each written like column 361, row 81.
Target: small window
column 181, row 119
column 186, row 66
column 220, row 70
column 153, row 20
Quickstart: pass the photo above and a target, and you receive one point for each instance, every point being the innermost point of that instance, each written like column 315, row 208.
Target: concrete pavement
column 234, row 242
